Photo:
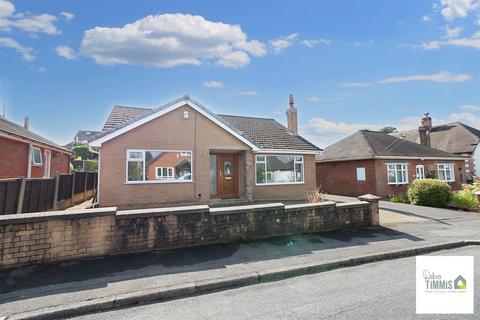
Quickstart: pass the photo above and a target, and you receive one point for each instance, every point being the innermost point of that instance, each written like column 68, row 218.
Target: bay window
column 279, row 169
column 445, row 172
column 159, row 166
column 397, row 173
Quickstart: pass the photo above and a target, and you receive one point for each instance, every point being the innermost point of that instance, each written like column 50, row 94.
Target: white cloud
column 43, row 23
column 470, row 108
column 453, row 9
column 363, row 43
column 332, row 98
column 212, row 84
column 246, row 93
column 355, row 84
column 472, row 42
column 26, row 52
column 67, row 16
column 313, row 42
column 66, row 52
column 425, row 18
column 442, row 76
column 40, row 69
column 282, row 43
column 170, row 40
column 452, row 32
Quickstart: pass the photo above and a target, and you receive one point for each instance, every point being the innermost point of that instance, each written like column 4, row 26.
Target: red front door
column 227, row 175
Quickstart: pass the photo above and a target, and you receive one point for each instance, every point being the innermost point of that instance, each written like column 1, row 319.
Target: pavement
column 379, row 290
column 72, row 288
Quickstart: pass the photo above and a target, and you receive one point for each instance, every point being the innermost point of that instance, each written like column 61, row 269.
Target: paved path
column 382, row 290
column 40, row 286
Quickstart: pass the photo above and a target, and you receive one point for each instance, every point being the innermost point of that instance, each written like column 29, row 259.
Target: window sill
column 37, row 165
column 277, row 184
column 157, row 182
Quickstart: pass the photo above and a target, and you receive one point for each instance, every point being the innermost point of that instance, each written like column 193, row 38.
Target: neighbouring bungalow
column 24, row 153
column 183, row 153
column 381, row 164
column 456, row 137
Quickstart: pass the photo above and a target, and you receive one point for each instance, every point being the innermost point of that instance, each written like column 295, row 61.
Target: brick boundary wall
column 68, row 235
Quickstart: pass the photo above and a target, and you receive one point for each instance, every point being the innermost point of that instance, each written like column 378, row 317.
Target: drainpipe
column 29, row 168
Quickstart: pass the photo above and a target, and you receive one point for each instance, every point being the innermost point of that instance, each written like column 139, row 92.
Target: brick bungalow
column 24, row 153
column 183, row 153
column 456, row 137
column 382, row 164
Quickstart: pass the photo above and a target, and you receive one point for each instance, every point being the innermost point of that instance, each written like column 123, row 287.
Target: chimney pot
column 26, row 123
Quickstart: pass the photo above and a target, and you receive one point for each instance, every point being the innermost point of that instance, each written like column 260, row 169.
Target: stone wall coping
column 369, row 197
column 252, row 207
column 161, row 211
column 55, row 215
column 309, row 205
column 352, row 204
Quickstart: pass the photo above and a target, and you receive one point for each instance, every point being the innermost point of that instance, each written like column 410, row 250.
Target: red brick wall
column 14, row 161
column 341, row 177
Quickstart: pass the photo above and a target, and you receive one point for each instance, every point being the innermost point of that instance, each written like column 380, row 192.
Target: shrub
column 399, row 198
column 315, row 196
column 465, row 199
column 429, row 192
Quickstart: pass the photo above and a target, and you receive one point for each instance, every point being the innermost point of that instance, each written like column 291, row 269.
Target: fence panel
column 9, row 190
column 65, row 187
column 80, row 181
column 38, row 195
column 91, row 178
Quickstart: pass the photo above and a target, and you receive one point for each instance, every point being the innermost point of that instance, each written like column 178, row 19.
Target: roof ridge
column 232, row 115
column 368, row 141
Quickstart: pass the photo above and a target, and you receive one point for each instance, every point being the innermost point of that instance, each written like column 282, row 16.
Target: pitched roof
column 263, row 133
column 86, row 134
column 121, row 114
column 15, row 129
column 366, row 144
column 453, row 137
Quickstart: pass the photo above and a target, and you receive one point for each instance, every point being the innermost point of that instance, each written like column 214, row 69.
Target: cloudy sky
column 349, row 64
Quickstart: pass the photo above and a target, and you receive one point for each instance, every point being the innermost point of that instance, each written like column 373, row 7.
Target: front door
column 227, row 175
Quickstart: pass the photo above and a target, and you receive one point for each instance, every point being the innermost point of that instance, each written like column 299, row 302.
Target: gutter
column 395, row 158
column 17, row 137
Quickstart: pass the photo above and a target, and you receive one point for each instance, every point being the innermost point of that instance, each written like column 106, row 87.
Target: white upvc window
column 420, row 171
column 164, row 173
column 279, row 169
column 158, row 166
column 446, row 172
column 361, row 174
column 36, row 156
column 397, row 173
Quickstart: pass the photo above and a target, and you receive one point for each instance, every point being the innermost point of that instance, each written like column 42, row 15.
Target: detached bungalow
column 183, row 153
column 381, row 164
column 24, row 153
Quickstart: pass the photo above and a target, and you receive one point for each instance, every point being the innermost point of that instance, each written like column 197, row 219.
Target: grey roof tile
column 365, row 144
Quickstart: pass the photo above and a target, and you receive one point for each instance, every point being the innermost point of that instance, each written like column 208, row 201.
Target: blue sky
column 349, row 64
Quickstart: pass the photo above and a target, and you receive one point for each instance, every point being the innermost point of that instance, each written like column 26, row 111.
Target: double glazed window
column 397, row 173
column 159, row 166
column 36, row 156
column 445, row 172
column 279, row 169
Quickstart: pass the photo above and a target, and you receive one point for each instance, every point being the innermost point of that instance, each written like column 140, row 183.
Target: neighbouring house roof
column 87, row 135
column 453, row 137
column 366, row 144
column 261, row 133
column 15, row 130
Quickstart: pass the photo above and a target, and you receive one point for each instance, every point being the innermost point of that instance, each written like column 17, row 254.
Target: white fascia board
column 159, row 113
column 286, row 151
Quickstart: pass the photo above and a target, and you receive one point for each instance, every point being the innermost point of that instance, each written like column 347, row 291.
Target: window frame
column 423, row 171
column 295, row 162
column 396, row 173
column 363, row 170
column 144, row 151
column 451, row 166
column 37, row 164
column 159, row 177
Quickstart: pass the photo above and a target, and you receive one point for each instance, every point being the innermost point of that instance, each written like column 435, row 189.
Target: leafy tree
column 83, row 152
column 388, row 129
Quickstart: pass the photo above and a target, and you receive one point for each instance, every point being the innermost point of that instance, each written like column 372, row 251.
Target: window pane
column 260, row 169
column 135, row 155
column 280, row 169
column 391, row 176
column 135, row 170
column 299, row 159
column 37, row 157
column 260, row 158
column 299, row 172
column 175, row 165
column 213, row 174
column 441, row 175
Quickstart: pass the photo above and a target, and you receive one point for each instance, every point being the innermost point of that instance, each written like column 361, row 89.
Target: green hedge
column 429, row 192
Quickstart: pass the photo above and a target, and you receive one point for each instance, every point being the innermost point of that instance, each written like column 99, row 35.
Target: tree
column 83, row 152
column 388, row 129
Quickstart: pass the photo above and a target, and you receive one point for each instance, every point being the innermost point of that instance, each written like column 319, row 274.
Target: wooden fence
column 33, row 195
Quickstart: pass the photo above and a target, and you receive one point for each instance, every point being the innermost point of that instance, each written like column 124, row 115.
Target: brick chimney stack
column 26, row 123
column 424, row 130
column 292, row 117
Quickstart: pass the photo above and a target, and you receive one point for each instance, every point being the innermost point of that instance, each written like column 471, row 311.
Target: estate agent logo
column 444, row 284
